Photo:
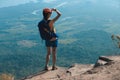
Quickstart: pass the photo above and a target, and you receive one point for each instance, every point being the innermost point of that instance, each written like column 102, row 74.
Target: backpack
column 42, row 25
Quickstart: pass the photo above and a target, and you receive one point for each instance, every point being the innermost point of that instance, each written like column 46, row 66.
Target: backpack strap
column 46, row 24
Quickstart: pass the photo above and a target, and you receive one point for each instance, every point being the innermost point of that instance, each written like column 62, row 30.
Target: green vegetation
column 85, row 47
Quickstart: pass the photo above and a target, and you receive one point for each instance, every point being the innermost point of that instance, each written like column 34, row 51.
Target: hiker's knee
column 48, row 51
column 54, row 51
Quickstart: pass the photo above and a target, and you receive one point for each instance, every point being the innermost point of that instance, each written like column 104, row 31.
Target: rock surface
column 108, row 68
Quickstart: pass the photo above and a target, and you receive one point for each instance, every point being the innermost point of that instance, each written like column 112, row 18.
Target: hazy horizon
column 8, row 3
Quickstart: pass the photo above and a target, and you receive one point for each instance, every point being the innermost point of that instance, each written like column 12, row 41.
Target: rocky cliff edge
column 106, row 67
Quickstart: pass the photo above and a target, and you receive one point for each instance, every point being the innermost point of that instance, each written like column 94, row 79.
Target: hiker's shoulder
column 50, row 21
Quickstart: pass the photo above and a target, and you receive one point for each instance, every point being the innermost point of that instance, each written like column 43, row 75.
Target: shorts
column 51, row 43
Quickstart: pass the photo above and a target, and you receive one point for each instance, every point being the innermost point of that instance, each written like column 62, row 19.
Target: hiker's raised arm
column 58, row 14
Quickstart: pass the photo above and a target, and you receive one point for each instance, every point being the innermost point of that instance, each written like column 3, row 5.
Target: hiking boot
column 54, row 68
column 46, row 68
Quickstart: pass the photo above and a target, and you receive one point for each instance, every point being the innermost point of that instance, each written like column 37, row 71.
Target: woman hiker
column 51, row 39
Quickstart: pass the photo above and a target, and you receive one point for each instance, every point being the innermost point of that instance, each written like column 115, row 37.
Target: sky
column 6, row 3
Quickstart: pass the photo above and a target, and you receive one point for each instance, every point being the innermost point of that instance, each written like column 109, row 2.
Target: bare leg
column 48, row 56
column 54, row 49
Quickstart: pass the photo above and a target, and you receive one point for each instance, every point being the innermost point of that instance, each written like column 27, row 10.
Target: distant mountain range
column 84, row 30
